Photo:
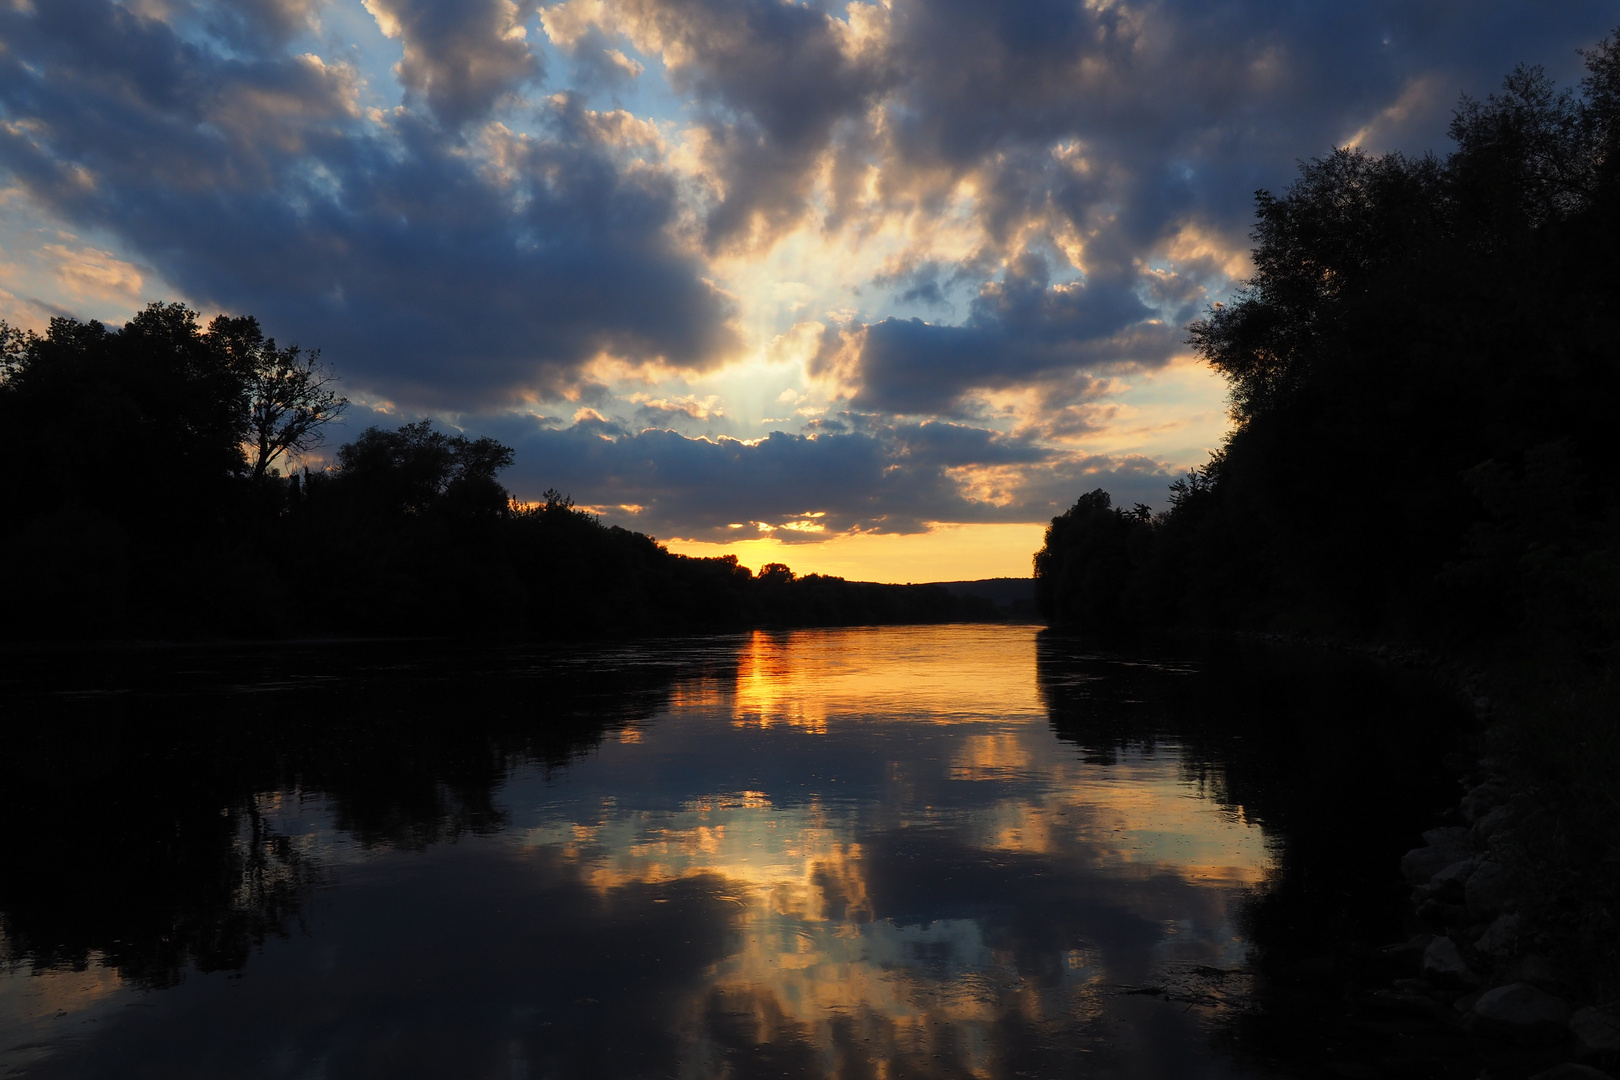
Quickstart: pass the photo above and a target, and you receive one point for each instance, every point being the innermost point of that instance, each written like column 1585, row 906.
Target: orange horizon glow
column 947, row 552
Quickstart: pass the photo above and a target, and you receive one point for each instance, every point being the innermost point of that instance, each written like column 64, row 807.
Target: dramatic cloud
column 771, row 83
column 438, row 275
column 461, row 56
column 1020, row 330
column 843, row 475
column 694, row 226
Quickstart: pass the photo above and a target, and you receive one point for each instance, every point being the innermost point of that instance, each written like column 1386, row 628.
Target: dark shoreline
column 1545, row 1018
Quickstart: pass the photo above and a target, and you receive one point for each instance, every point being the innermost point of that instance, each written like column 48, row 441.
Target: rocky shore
column 1496, row 981
column 1488, row 960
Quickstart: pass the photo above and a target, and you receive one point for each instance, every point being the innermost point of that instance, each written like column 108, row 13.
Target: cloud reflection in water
column 852, row 853
column 925, row 880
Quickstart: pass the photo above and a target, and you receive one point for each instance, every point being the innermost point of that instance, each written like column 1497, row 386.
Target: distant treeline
column 1425, row 376
column 139, row 498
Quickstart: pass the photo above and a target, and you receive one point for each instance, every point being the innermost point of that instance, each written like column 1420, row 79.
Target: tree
column 81, row 404
column 416, row 470
column 1086, row 565
column 289, row 393
column 13, row 350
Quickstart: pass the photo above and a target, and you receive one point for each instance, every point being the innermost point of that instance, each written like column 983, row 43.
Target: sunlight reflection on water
column 829, row 853
column 965, row 810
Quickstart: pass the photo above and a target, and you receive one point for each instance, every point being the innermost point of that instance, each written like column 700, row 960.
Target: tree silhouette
column 1420, row 335
column 290, row 395
column 415, row 470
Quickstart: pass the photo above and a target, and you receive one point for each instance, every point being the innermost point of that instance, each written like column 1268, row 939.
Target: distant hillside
column 1014, row 595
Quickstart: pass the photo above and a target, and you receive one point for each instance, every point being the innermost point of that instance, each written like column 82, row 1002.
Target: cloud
column 990, row 214
column 86, row 273
column 1109, row 152
column 255, row 25
column 1021, row 329
column 859, row 473
column 461, row 56
column 441, row 273
column 772, row 82
column 684, row 413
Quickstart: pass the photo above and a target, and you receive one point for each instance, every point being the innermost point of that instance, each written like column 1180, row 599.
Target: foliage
column 1422, row 374
column 291, row 397
column 122, row 465
column 1086, row 561
column 1423, row 378
column 416, row 471
column 144, row 501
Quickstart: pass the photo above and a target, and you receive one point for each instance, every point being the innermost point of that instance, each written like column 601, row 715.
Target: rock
column 1408, row 955
column 1501, row 938
column 1597, row 1033
column 1488, row 826
column 1449, row 882
column 1520, row 1012
column 1535, row 969
column 1441, row 848
column 1435, row 913
column 1444, row 965
column 1420, row 864
column 1486, row 892
column 1571, row 1071
column 1411, row 1004
column 1481, row 799
column 1450, row 838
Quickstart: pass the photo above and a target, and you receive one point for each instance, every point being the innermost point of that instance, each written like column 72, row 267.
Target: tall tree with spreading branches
column 290, row 393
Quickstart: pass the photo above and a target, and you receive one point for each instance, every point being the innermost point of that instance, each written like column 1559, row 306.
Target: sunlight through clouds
column 720, row 219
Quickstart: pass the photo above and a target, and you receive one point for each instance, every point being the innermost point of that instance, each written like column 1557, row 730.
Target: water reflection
column 839, row 853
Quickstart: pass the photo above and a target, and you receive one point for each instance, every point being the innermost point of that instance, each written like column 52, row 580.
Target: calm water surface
column 952, row 851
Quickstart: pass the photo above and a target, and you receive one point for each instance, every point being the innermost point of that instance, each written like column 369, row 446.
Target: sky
column 872, row 289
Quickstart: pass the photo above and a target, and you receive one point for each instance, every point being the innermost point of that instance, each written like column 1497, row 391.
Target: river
column 881, row 852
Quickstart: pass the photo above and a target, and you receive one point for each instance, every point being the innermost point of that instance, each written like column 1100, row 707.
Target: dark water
column 905, row 852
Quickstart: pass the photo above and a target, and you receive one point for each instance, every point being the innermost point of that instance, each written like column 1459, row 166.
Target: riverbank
column 1510, row 965
column 1514, row 894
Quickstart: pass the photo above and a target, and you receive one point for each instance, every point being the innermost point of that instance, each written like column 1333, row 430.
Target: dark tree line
column 144, row 495
column 1424, row 377
column 1424, row 381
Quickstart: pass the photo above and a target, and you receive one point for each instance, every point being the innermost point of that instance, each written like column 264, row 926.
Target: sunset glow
column 920, row 270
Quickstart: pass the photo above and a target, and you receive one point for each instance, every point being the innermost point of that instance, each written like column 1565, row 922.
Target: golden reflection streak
column 803, row 680
column 813, row 952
